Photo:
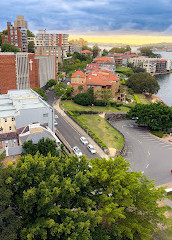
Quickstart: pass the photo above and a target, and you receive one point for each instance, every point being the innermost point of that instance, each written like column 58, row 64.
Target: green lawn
column 71, row 106
column 103, row 130
column 142, row 99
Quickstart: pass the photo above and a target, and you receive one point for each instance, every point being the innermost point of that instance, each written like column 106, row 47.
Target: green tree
column 106, row 95
column 2, row 157
column 31, row 47
column 41, row 92
column 128, row 48
column 44, row 147
column 10, row 222
column 95, row 50
column 7, row 47
column 72, row 198
column 51, row 83
column 146, row 51
column 143, row 82
column 105, row 52
column 156, row 116
column 30, row 34
column 83, row 99
column 138, row 69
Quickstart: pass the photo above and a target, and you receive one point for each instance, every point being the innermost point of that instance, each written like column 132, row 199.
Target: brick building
column 7, row 72
column 25, row 70
column 99, row 79
column 17, row 36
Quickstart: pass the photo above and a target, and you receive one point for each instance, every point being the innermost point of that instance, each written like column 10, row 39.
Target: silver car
column 84, row 140
column 91, row 148
column 77, row 151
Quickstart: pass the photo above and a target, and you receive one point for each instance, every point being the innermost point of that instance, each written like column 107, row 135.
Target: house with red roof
column 88, row 53
column 106, row 63
column 98, row 79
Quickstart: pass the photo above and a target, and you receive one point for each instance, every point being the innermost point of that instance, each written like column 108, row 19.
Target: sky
column 124, row 21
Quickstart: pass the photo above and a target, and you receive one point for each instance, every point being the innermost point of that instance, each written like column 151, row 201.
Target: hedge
column 157, row 133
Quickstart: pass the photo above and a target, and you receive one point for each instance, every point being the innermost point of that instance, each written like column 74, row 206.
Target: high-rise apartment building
column 56, row 40
column 51, row 44
column 17, row 36
column 20, row 22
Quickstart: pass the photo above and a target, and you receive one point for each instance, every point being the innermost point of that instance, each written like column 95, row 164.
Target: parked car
column 91, row 148
column 84, row 140
column 77, row 151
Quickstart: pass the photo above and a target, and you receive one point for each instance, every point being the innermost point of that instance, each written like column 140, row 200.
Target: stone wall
column 115, row 116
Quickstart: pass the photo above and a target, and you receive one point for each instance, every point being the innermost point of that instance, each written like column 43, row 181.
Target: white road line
column 139, row 141
column 149, row 153
column 147, row 166
column 129, row 152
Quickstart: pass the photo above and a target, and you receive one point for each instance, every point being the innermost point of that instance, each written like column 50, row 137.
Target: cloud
column 90, row 16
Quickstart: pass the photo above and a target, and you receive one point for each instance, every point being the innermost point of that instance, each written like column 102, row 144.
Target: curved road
column 71, row 135
column 146, row 153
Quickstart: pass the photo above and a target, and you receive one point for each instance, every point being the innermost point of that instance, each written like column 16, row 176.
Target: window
column 45, row 115
column 10, row 128
column 5, row 119
column 12, row 119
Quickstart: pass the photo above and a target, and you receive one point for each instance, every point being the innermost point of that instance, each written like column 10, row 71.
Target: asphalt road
column 71, row 135
column 146, row 153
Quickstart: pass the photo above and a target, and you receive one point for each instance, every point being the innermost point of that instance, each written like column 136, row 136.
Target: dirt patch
column 153, row 98
column 112, row 152
column 102, row 115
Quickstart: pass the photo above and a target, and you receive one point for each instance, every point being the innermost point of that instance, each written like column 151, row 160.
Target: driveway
column 146, row 153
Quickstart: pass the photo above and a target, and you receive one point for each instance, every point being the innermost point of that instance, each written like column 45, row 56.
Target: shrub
column 137, row 99
column 157, row 133
column 84, row 99
column 100, row 103
column 50, row 83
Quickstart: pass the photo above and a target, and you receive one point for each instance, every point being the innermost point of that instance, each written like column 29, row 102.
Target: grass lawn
column 167, row 233
column 142, row 99
column 103, row 130
column 71, row 106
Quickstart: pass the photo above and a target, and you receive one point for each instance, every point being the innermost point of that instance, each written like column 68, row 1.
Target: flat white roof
column 15, row 100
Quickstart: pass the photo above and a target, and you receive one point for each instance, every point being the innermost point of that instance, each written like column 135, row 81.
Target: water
column 165, row 82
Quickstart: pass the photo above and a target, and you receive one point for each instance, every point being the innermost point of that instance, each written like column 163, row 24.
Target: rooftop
column 14, row 100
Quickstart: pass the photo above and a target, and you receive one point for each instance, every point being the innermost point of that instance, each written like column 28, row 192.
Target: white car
column 91, row 148
column 84, row 140
column 77, row 151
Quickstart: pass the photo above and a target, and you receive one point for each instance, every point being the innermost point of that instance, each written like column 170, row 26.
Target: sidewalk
column 79, row 130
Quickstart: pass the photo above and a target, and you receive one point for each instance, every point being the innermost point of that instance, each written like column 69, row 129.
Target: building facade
column 99, row 80
column 17, row 36
column 20, row 22
column 25, row 70
column 19, row 108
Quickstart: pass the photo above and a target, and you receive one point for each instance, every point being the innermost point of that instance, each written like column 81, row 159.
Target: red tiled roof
column 101, row 60
column 86, row 51
column 78, row 73
column 101, row 77
column 92, row 66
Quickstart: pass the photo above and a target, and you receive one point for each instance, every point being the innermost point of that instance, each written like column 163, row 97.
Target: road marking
column 139, row 141
column 149, row 153
column 129, row 152
column 147, row 166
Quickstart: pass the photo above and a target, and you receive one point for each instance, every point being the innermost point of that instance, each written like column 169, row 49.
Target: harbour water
column 165, row 82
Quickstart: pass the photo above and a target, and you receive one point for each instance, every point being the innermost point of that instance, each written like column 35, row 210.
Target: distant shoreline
column 164, row 73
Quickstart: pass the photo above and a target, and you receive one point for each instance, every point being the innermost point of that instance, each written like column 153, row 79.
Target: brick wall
column 33, row 71
column 7, row 73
